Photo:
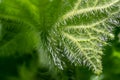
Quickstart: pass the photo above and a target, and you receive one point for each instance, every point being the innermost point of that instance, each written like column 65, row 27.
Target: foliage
column 69, row 31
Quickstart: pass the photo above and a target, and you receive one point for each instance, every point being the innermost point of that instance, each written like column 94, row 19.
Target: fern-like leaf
column 73, row 30
column 83, row 31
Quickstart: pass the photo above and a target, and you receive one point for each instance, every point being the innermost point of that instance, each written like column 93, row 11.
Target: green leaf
column 83, row 31
column 72, row 30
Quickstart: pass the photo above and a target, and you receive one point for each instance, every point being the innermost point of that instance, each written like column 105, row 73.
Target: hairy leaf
column 83, row 31
column 72, row 30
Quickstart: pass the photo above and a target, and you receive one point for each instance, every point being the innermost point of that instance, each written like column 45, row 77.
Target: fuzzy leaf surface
column 72, row 30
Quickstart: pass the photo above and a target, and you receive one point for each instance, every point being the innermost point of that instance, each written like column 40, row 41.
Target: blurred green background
column 29, row 67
